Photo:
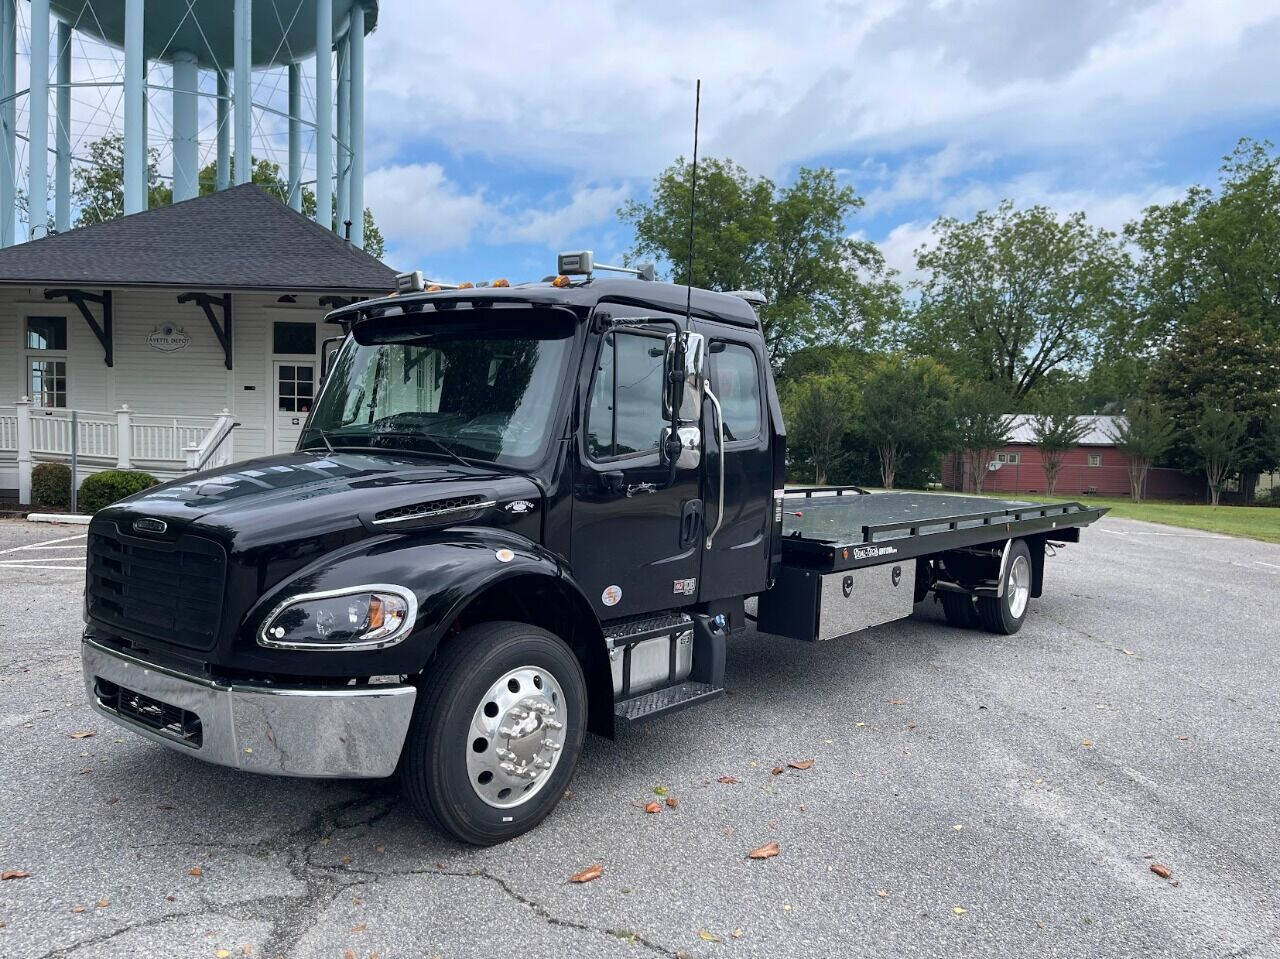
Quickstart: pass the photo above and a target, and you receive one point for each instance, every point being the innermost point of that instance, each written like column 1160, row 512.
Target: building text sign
column 168, row 338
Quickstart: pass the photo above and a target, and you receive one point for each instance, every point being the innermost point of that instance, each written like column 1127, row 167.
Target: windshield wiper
column 427, row 436
column 324, row 437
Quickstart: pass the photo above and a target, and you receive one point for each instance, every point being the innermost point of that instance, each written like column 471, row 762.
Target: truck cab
column 515, row 514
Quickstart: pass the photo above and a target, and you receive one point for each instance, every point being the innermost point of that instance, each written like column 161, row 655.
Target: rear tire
column 1004, row 614
column 494, row 699
column 959, row 610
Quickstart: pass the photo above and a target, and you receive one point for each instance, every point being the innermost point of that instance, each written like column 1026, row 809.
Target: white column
column 124, row 436
column 135, row 122
column 24, row 451
column 38, row 114
column 62, row 133
column 342, row 155
column 8, row 86
column 186, row 126
column 244, row 90
column 222, row 168
column 324, row 113
column 295, row 136
column 356, row 140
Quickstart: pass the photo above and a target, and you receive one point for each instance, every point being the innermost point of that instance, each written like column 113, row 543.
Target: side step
column 660, row 702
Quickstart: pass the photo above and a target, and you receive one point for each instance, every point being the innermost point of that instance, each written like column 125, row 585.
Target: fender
column 447, row 570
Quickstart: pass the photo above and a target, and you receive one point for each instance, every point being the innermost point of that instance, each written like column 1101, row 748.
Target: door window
column 49, row 383
column 47, row 362
column 735, row 378
column 625, row 412
column 295, row 387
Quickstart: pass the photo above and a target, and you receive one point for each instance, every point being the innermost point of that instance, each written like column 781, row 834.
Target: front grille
column 435, row 507
column 166, row 719
column 170, row 590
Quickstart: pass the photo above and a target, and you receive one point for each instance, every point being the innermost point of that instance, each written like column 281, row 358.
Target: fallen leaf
column 588, row 874
column 959, row 910
column 170, row 898
column 1182, row 739
column 777, row 770
column 103, row 903
column 708, row 936
column 727, row 780
column 78, row 909
column 1087, row 744
column 767, row 851
column 957, row 827
column 672, row 802
column 195, row 871
column 349, row 954
column 360, row 927
column 83, row 734
column 379, row 848
column 1127, row 652
column 800, row 763
column 860, row 725
column 882, row 893
column 345, row 860
column 246, row 950
column 1161, row 870
column 223, row 953
column 786, row 907
column 14, row 874
column 737, row 934
column 911, row 725
column 652, row 807
column 164, row 805
column 659, row 790
column 897, row 702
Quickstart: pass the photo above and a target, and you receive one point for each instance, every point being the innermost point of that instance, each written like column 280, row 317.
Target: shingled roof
column 241, row 238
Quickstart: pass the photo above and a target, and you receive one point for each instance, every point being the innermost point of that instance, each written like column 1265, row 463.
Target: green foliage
column 1217, row 438
column 102, row 489
column 1210, row 251
column 1012, row 295
column 982, row 428
column 51, row 486
column 792, row 243
column 819, row 409
column 1056, row 431
column 1142, row 435
column 1219, row 359
column 99, row 187
column 907, row 413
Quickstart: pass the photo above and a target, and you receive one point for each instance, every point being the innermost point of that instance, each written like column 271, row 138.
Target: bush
column 51, row 486
column 103, row 489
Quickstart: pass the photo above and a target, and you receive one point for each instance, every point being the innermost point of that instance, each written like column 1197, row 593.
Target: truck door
column 637, row 541
column 737, row 563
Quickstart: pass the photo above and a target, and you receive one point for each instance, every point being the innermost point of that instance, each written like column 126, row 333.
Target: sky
column 498, row 134
column 501, row 134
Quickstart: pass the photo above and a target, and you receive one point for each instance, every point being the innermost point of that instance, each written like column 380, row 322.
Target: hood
column 310, row 493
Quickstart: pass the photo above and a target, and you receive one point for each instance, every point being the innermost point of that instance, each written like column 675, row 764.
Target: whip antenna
column 693, row 190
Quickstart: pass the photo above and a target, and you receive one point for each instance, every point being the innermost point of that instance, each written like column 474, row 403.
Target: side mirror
column 685, row 383
column 690, row 456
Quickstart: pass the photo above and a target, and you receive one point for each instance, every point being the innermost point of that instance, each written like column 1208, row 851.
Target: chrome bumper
column 350, row 732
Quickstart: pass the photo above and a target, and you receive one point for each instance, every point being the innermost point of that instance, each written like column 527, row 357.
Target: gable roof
column 241, row 238
column 1098, row 429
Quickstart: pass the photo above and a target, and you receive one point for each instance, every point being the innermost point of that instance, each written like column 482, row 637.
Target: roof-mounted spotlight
column 582, row 263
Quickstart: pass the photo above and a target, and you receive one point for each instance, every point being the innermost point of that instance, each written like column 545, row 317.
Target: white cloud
column 588, row 207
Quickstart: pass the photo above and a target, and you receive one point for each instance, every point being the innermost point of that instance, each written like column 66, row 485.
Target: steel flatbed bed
column 830, row 529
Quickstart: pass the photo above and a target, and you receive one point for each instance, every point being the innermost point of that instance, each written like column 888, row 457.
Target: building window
column 1011, row 458
column 48, row 383
column 1095, row 459
column 296, row 384
column 298, row 339
column 47, row 333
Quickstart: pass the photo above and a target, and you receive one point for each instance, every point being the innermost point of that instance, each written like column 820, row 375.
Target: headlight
column 362, row 617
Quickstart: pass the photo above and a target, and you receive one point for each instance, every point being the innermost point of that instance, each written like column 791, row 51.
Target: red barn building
column 1094, row 467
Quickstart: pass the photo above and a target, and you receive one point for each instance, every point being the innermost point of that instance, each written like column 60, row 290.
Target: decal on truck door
column 611, row 596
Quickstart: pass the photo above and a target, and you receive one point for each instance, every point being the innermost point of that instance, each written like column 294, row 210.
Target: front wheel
column 1005, row 613
column 496, row 732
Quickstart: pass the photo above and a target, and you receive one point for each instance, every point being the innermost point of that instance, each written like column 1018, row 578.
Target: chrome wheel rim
column 516, row 737
column 1019, row 586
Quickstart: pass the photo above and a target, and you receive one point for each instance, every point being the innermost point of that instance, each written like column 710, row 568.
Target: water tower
column 208, row 52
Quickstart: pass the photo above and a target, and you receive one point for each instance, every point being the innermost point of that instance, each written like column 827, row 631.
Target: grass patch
column 1252, row 522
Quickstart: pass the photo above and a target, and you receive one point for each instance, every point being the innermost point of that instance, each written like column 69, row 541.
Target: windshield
column 477, row 386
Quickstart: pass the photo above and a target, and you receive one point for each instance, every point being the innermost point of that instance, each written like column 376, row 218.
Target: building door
column 295, row 395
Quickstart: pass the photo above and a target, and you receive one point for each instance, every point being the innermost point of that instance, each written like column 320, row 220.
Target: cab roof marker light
column 582, row 263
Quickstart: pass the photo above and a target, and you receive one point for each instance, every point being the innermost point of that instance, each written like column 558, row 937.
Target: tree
column 982, row 428
column 819, row 412
column 1056, row 431
column 791, row 243
column 1012, row 295
column 1217, row 438
column 1209, row 251
column 99, row 187
column 907, row 412
column 1220, row 359
column 1142, row 434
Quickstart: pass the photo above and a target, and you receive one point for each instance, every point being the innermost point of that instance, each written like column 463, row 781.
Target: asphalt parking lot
column 969, row 795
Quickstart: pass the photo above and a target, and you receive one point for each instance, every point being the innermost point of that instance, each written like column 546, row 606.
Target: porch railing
column 122, row 439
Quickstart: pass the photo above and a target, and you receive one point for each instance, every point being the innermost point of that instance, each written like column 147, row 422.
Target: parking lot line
column 46, row 543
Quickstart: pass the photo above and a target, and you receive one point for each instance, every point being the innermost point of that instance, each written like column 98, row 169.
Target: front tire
column 1004, row 614
column 496, row 732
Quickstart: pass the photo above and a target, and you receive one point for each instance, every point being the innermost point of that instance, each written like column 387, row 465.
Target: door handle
column 690, row 522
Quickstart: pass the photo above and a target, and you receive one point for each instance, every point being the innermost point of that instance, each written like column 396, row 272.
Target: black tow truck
column 516, row 514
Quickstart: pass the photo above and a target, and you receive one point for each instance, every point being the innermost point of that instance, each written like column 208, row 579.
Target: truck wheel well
column 552, row 605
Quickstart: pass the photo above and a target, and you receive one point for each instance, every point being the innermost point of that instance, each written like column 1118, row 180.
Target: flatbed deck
column 839, row 528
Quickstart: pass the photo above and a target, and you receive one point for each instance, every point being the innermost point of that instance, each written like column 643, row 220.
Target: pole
column 135, row 130
column 222, row 176
column 186, row 126
column 8, row 85
column 295, row 136
column 324, row 113
column 75, row 449
column 38, row 116
column 62, row 133
column 355, row 37
column 244, row 90
column 344, row 132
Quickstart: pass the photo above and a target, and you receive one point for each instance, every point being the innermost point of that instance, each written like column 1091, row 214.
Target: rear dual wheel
column 1004, row 614
column 496, row 732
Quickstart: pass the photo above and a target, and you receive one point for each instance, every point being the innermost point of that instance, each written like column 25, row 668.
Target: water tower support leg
column 38, row 112
column 244, row 90
column 62, row 134
column 355, row 141
column 186, row 126
column 295, row 136
column 324, row 113
column 135, row 123
column 8, row 84
column 222, row 167
column 344, row 135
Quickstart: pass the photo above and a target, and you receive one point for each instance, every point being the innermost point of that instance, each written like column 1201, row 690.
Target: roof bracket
column 102, row 330
column 206, row 302
column 335, row 302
